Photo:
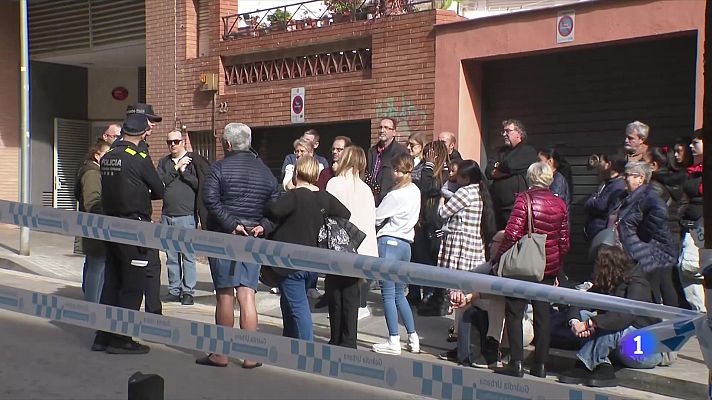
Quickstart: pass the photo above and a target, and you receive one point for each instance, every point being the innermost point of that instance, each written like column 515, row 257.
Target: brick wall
column 9, row 99
column 401, row 83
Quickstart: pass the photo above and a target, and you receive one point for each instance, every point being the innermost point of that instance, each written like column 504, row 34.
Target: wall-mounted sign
column 565, row 22
column 297, row 105
column 119, row 93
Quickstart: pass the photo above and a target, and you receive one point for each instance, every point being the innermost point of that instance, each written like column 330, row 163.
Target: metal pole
column 24, row 124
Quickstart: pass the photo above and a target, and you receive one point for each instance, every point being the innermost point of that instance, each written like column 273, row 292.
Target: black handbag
column 339, row 234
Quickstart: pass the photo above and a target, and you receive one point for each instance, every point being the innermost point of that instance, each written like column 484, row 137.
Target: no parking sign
column 297, row 105
column 565, row 21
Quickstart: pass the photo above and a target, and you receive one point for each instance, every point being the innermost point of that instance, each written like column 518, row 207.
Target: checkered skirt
column 463, row 247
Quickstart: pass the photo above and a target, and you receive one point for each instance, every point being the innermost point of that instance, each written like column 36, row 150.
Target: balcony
column 317, row 14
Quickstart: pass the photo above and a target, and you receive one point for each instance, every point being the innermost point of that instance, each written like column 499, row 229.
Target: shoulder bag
column 526, row 259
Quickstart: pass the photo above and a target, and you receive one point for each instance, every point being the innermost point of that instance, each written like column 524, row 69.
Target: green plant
column 445, row 4
column 279, row 17
column 345, row 7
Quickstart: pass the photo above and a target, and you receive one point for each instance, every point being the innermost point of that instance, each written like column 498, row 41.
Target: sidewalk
column 52, row 262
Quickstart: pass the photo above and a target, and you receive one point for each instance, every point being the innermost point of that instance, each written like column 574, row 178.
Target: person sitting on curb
column 615, row 274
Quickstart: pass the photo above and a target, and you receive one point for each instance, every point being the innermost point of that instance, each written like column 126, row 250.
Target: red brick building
column 352, row 73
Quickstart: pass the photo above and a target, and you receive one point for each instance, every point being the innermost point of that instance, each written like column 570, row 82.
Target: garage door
column 580, row 102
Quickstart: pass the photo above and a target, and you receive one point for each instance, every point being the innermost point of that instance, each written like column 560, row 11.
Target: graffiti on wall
column 409, row 117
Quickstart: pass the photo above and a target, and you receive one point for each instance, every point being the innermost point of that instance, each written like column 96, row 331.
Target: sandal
column 251, row 366
column 210, row 362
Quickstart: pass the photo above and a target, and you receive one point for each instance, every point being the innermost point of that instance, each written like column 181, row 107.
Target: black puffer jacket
column 643, row 229
column 236, row 191
column 509, row 177
column 600, row 204
column 668, row 185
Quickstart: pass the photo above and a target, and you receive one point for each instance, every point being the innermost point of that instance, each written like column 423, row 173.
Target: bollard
column 145, row 387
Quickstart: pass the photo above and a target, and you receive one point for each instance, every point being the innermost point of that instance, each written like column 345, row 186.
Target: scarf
column 694, row 170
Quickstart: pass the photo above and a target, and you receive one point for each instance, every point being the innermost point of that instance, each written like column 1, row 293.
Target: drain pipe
column 24, row 124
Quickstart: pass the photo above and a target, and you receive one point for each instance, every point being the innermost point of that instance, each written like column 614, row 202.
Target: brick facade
column 401, row 83
column 9, row 100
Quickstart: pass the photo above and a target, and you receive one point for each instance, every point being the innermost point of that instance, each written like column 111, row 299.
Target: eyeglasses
column 633, row 174
column 409, row 144
column 174, row 142
column 388, row 128
column 338, row 149
column 508, row 131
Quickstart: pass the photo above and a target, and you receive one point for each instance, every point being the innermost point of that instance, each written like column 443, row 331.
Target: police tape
column 680, row 326
column 403, row 374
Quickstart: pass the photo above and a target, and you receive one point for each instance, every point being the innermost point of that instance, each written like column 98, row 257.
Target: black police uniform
column 129, row 182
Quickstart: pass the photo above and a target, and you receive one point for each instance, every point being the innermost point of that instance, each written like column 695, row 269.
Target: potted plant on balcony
column 278, row 19
column 345, row 10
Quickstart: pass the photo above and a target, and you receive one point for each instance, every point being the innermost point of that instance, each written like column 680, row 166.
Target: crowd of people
column 418, row 202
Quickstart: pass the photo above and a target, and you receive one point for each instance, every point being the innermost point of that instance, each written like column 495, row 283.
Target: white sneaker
column 391, row 346
column 363, row 312
column 313, row 293
column 274, row 290
column 413, row 343
column 585, row 287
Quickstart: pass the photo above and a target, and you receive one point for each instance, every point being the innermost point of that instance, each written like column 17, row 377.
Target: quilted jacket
column 236, row 191
column 643, row 229
column 550, row 217
column 600, row 204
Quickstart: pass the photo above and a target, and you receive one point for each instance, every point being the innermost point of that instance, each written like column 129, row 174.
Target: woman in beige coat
column 343, row 292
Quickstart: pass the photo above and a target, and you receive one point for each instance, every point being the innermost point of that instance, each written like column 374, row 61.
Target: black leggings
column 661, row 282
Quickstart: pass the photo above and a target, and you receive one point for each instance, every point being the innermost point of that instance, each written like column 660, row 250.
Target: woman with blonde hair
column 550, row 217
column 343, row 292
column 302, row 147
column 300, row 215
column 398, row 212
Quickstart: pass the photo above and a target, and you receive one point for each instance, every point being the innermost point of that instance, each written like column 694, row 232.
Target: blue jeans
column 179, row 283
column 597, row 350
column 296, row 314
column 393, row 293
column 93, row 277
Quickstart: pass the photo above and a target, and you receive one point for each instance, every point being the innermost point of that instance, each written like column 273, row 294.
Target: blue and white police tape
column 408, row 375
column 285, row 255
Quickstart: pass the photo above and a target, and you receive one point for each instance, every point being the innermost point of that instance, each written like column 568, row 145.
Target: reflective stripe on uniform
column 130, row 151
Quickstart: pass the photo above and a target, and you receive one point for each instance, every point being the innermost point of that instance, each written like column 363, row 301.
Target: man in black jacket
column 379, row 174
column 508, row 169
column 129, row 182
column 179, row 172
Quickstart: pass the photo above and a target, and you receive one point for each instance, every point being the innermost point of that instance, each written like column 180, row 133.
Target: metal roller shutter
column 580, row 101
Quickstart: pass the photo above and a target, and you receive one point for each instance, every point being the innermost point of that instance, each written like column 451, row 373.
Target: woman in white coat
column 343, row 292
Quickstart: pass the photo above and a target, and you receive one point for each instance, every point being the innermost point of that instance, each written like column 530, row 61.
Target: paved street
column 37, row 353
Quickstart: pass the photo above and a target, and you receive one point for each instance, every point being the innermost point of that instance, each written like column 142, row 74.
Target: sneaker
column 314, row 293
column 274, row 290
column 363, row 312
column 171, row 298
column 187, row 300
column 391, row 346
column 669, row 357
column 121, row 346
column 450, row 355
column 413, row 343
column 584, row 287
column 577, row 375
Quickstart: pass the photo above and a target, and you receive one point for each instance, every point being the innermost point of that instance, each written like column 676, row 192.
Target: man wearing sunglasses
column 181, row 172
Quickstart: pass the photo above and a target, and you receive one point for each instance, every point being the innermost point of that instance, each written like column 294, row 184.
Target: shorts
column 244, row 274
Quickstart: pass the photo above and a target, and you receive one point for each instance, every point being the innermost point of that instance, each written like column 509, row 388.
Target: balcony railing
column 316, row 14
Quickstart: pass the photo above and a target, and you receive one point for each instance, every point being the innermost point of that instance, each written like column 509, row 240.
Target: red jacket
column 550, row 217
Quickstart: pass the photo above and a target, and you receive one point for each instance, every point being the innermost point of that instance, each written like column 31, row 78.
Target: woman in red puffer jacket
column 550, row 217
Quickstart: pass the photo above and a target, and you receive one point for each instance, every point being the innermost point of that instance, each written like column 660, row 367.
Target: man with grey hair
column 508, row 168
column 636, row 140
column 236, row 191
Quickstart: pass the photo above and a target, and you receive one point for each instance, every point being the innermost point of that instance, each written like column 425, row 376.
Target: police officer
column 153, row 119
column 129, row 183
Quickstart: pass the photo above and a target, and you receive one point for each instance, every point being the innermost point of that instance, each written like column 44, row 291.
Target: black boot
column 538, row 370
column 101, row 341
column 577, row 375
column 514, row 368
column 602, row 376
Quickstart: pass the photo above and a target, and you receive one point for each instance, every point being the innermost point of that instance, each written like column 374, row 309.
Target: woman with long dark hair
column 429, row 230
column 563, row 185
column 668, row 185
column 615, row 274
column 607, row 196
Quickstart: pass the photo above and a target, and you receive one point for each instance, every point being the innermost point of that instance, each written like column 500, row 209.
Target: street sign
column 297, row 105
column 565, row 21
